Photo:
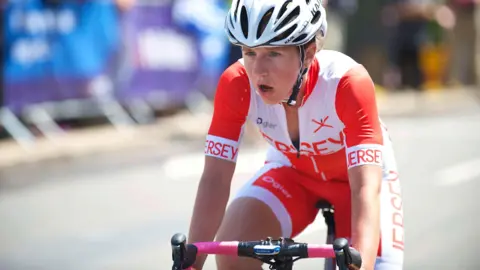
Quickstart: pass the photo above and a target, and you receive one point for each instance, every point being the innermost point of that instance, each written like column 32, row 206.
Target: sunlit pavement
column 119, row 210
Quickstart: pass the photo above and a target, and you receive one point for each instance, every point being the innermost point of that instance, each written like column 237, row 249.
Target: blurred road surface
column 118, row 211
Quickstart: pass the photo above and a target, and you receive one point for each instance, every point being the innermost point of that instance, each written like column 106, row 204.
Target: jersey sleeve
column 357, row 109
column 231, row 106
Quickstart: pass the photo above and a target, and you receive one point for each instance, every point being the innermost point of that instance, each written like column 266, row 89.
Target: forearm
column 366, row 225
column 208, row 213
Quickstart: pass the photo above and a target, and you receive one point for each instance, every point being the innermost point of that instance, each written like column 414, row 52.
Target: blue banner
column 160, row 59
column 53, row 52
column 156, row 50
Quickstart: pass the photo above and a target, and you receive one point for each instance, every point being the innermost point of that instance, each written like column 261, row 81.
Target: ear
column 310, row 51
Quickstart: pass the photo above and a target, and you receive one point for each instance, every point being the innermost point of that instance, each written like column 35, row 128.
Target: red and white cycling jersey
column 339, row 126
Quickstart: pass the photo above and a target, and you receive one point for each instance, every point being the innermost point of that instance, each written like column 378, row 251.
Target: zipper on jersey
column 314, row 164
column 317, row 170
column 282, row 109
column 296, row 145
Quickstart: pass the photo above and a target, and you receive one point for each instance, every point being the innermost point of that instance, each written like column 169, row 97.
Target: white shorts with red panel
column 292, row 196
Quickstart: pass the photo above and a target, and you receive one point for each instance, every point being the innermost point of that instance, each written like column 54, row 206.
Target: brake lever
column 179, row 250
column 347, row 257
column 183, row 255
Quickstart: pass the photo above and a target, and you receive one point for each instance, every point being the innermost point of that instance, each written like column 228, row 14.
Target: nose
column 260, row 68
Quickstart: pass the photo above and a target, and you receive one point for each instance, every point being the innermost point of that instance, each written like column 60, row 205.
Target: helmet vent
column 231, row 20
column 302, row 36
column 236, row 10
column 284, row 34
column 290, row 17
column 316, row 17
column 230, row 34
column 283, row 8
column 244, row 21
column 263, row 23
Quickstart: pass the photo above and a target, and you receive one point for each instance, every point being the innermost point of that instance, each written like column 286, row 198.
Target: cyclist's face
column 273, row 71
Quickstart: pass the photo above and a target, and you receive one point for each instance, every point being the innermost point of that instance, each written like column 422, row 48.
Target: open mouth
column 264, row 88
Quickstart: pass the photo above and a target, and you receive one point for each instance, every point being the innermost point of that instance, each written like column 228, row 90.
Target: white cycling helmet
column 293, row 22
column 255, row 23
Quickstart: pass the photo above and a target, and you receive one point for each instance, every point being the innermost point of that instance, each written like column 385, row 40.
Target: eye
column 248, row 52
column 273, row 54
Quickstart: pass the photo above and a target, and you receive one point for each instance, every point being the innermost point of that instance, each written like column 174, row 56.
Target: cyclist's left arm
column 356, row 106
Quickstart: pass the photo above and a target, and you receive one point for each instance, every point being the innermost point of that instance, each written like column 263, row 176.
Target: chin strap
column 292, row 100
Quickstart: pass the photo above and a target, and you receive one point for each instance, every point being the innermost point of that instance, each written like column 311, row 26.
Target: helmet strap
column 292, row 100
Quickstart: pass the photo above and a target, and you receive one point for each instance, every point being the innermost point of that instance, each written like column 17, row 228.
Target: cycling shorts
column 292, row 196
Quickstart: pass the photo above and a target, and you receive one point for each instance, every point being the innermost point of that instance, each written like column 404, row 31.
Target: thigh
column 391, row 245
column 278, row 187
column 271, row 204
column 390, row 251
column 246, row 219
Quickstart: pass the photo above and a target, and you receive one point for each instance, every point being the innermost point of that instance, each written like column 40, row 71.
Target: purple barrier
column 19, row 95
column 159, row 57
column 58, row 62
column 49, row 61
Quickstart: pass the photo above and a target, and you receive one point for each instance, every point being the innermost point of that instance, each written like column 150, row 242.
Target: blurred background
column 105, row 104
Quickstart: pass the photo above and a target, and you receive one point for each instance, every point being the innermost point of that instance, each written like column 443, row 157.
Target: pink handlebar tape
column 231, row 248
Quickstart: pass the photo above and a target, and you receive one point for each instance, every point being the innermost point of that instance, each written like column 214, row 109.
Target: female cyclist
column 317, row 110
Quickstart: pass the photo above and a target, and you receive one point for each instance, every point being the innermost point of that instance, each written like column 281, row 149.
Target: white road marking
column 316, row 226
column 459, row 173
column 186, row 167
column 189, row 167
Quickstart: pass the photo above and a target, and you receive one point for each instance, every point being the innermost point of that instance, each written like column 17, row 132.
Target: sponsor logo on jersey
column 221, row 148
column 265, row 124
column 321, row 123
column 323, row 147
column 363, row 155
column 397, row 213
column 270, row 180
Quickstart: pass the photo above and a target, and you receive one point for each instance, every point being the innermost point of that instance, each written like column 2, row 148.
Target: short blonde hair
column 319, row 41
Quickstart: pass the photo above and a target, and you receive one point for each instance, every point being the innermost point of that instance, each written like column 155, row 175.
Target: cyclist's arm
column 212, row 197
column 356, row 105
column 232, row 101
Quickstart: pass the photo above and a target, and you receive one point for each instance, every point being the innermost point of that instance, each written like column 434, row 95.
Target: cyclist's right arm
column 231, row 105
column 212, row 197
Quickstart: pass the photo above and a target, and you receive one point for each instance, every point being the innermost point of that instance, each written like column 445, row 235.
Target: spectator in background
column 465, row 44
column 121, row 4
column 125, row 5
column 338, row 13
column 205, row 19
column 406, row 22
column 55, row 50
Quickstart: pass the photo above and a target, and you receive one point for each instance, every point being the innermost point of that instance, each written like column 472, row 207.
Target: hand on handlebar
column 346, row 255
column 183, row 255
column 280, row 254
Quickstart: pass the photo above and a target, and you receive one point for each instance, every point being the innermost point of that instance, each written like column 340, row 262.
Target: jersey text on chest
column 323, row 147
